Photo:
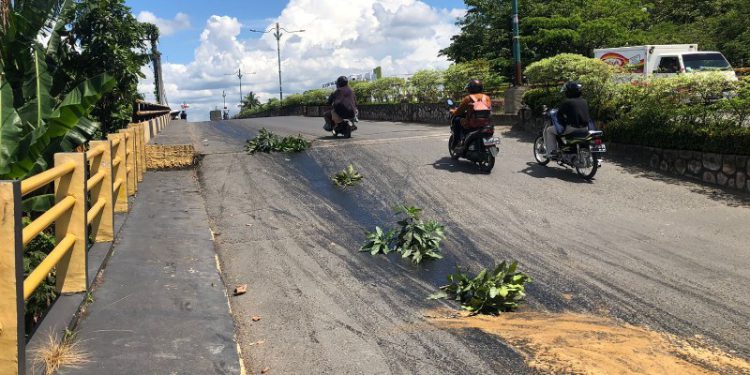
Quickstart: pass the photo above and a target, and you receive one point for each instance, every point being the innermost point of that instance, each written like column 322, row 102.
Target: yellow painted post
column 12, row 346
column 144, row 141
column 103, row 225
column 72, row 275
column 130, row 162
column 140, row 161
column 119, row 172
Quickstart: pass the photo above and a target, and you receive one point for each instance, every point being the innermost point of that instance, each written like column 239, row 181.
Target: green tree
column 44, row 105
column 251, row 101
column 111, row 41
column 426, row 86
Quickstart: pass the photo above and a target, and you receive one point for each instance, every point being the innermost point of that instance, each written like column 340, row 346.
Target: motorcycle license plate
column 600, row 148
column 494, row 151
column 491, row 141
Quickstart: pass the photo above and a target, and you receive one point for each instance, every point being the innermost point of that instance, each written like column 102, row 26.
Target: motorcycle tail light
column 488, row 131
column 598, row 141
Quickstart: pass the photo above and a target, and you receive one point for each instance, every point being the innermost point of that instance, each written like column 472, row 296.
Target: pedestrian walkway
column 161, row 307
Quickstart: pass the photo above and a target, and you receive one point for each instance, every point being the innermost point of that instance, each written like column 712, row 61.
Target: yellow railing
column 89, row 188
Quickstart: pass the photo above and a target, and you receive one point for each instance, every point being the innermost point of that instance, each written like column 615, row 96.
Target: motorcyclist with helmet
column 573, row 116
column 474, row 111
column 343, row 104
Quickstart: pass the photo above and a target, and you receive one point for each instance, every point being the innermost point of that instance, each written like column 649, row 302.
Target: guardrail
column 90, row 187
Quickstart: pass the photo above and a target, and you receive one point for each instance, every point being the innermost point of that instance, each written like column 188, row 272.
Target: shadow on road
column 453, row 166
column 550, row 171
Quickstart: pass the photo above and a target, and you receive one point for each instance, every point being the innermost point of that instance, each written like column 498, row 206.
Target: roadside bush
column 493, row 291
column 549, row 75
column 363, row 91
column 690, row 112
column 425, row 86
column 416, row 239
column 315, row 97
column 389, row 90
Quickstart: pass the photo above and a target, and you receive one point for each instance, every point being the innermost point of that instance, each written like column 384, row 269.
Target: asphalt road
column 648, row 249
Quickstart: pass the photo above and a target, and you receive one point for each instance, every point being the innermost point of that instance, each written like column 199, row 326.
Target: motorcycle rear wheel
column 487, row 164
column 588, row 173
column 540, row 151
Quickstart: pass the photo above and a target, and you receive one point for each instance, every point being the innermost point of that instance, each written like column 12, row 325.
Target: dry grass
column 57, row 353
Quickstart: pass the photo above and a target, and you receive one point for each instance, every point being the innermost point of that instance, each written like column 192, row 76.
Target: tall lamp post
column 277, row 34
column 239, row 75
column 517, row 45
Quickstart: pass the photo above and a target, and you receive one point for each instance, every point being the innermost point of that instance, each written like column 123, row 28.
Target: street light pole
column 239, row 75
column 277, row 34
column 517, row 45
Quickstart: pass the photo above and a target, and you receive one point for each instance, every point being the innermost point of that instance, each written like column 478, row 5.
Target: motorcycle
column 345, row 127
column 582, row 150
column 479, row 146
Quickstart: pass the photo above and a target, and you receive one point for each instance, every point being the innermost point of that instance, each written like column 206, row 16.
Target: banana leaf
column 11, row 128
column 39, row 203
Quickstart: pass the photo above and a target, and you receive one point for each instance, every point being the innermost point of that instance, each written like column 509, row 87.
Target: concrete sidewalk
column 161, row 307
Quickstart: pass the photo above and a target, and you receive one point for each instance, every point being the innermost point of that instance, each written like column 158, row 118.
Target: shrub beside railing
column 89, row 188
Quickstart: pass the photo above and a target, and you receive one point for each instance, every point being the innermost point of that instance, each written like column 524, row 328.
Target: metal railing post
column 119, row 172
column 130, row 161
column 103, row 225
column 12, row 346
column 72, row 274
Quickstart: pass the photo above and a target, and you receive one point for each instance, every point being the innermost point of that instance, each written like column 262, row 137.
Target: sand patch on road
column 584, row 344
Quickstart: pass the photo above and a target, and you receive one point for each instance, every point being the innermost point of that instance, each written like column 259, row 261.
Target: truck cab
column 665, row 60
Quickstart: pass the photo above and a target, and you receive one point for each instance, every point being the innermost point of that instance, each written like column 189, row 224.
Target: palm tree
column 251, row 101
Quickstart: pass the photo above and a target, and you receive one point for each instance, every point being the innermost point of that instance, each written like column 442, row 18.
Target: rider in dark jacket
column 573, row 116
column 343, row 103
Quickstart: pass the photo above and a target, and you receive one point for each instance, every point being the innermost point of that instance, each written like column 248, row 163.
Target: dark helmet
column 342, row 81
column 572, row 89
column 474, row 86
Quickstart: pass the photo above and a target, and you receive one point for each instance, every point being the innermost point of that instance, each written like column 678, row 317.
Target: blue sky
column 203, row 40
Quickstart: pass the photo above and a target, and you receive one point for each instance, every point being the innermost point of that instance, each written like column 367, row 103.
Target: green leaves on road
column 269, row 142
column 347, row 177
column 417, row 239
column 501, row 289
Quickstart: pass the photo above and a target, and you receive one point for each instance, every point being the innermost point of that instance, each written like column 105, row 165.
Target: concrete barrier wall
column 422, row 113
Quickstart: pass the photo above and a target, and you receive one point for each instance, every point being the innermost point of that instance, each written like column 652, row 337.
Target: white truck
column 664, row 60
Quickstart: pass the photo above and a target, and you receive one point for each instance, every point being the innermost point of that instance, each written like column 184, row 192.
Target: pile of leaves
column 268, row 142
column 416, row 239
column 490, row 292
column 347, row 177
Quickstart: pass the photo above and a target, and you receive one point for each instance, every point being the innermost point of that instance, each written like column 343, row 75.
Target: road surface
column 650, row 250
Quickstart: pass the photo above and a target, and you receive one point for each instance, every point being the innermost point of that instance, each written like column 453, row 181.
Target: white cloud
column 167, row 27
column 347, row 37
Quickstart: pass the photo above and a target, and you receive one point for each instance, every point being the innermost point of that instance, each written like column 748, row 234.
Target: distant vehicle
column 183, row 115
column 215, row 115
column 664, row 61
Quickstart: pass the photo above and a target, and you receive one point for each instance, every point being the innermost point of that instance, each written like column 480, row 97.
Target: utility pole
column 277, row 34
column 517, row 45
column 224, row 95
column 239, row 76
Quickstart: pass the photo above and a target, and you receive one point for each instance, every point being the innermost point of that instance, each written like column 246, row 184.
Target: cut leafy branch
column 491, row 291
column 415, row 239
column 268, row 142
column 348, row 177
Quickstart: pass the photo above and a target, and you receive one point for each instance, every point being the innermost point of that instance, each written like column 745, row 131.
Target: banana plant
column 42, row 112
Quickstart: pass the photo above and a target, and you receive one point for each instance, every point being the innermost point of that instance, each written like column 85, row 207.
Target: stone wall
column 422, row 113
column 729, row 171
column 170, row 156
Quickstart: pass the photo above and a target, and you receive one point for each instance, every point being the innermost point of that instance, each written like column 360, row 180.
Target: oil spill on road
column 569, row 343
